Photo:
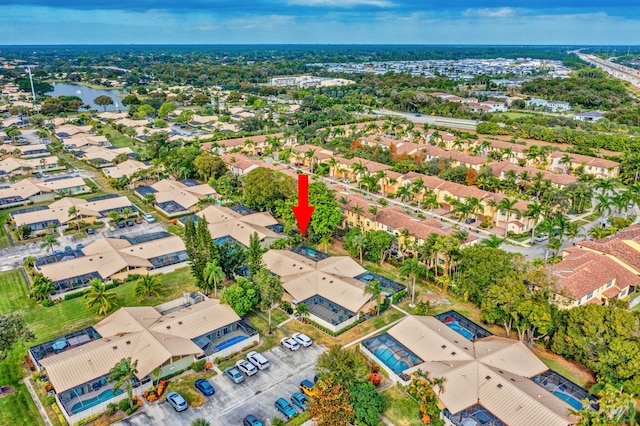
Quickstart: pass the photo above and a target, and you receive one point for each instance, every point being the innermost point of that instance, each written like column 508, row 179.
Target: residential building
column 599, row 167
column 27, row 191
column 500, row 169
column 589, row 116
column 328, row 287
column 12, row 166
column 175, row 198
column 583, row 277
column 103, row 156
column 113, row 258
column 124, row 169
column 487, row 379
column 78, row 365
column 226, row 223
column 559, row 106
column 57, row 213
column 29, row 151
column 623, row 248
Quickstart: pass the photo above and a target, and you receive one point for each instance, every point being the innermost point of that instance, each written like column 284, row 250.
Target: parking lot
column 232, row 402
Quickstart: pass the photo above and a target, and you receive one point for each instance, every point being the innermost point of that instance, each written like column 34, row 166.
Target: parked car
column 285, row 408
column 90, row 231
column 251, row 420
column 149, row 218
column 300, row 400
column 469, row 220
column 246, row 367
column 307, row 387
column 79, row 246
column 121, row 224
column 302, row 339
column 138, row 221
column 234, row 374
column 346, row 181
column 541, row 238
column 38, row 175
column 177, row 401
column 204, row 387
column 130, row 223
column 289, row 343
column 258, row 360
column 68, row 251
column 46, row 175
column 58, row 253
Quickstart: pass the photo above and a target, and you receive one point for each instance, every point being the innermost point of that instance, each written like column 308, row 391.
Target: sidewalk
column 36, row 400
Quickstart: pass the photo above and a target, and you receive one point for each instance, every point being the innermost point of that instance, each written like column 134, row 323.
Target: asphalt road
column 459, row 123
column 232, row 402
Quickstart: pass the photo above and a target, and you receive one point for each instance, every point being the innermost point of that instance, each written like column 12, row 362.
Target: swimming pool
column 456, row 327
column 389, row 359
column 103, row 397
column 569, row 400
column 230, row 342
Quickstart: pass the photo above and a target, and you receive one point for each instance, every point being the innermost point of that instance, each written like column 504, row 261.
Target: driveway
column 12, row 257
column 231, row 402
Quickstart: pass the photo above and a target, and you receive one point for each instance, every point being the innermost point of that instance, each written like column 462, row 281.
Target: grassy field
column 278, row 316
column 117, row 139
column 4, row 238
column 401, row 409
column 47, row 323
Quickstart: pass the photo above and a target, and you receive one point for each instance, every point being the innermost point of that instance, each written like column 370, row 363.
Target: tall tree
column 271, row 291
column 331, row 406
column 342, row 366
column 254, row 254
column 13, row 329
column 242, row 296
column 367, row 403
column 413, row 268
column 147, row 287
column 103, row 101
column 99, row 298
column 211, row 276
column 124, row 372
column 374, row 288
column 48, row 242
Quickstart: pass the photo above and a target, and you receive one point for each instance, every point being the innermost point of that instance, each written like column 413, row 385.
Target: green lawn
column 402, row 410
column 185, row 387
column 117, row 139
column 262, row 326
column 47, row 323
column 278, row 316
column 4, row 238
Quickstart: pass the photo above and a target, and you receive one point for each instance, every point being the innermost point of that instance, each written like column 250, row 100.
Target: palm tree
column 460, row 210
column 358, row 211
column 311, row 156
column 405, row 193
column 373, row 209
column 431, row 201
column 604, row 185
column 473, row 205
column 565, row 161
column 381, row 177
column 212, row 274
column 126, row 212
column 359, row 170
column 534, row 212
column 156, row 375
column 507, row 205
column 114, row 216
column 604, row 204
column 73, row 211
column 124, row 372
column 412, row 267
column 99, row 298
column 493, row 241
column 374, row 288
column 359, row 241
column 48, row 242
column 149, row 286
column 302, row 311
column 333, row 167
column 417, row 186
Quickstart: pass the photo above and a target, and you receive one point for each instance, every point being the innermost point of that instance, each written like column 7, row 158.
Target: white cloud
column 342, row 3
column 499, row 12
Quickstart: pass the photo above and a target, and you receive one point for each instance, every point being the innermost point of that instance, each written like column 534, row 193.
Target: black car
column 130, row 223
column 469, row 220
column 121, row 225
column 90, row 231
column 204, row 387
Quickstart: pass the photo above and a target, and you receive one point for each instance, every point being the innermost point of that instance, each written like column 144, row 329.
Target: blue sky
column 319, row 21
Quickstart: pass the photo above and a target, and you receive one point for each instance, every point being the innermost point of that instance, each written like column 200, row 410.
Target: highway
column 459, row 123
column 616, row 70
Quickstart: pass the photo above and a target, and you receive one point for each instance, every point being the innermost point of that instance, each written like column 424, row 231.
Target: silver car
column 246, row 367
column 234, row 375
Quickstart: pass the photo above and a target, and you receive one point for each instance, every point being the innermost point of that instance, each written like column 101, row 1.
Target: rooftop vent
column 453, row 353
column 114, row 348
column 168, row 327
column 487, row 377
column 444, row 346
column 499, row 385
column 128, row 342
column 179, row 322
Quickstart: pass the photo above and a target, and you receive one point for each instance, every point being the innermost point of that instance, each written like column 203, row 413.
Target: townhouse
column 598, row 167
column 585, row 277
column 27, row 191
column 12, row 166
column 623, row 248
column 501, row 168
column 78, row 364
column 175, row 198
column 125, row 169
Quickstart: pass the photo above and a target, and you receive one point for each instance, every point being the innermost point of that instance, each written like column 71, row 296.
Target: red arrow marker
column 303, row 210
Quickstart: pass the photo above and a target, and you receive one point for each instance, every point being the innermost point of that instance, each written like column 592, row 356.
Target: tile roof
column 624, row 246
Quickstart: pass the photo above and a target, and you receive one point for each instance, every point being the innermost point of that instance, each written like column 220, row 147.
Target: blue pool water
column 466, row 333
column 388, row 358
column 569, row 400
column 230, row 342
column 104, row 396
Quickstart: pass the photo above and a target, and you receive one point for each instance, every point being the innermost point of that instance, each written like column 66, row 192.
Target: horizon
column 313, row 22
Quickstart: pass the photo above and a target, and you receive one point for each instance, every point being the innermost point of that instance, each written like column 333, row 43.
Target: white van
column 258, row 360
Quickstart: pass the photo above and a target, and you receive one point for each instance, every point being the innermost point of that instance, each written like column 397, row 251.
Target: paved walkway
column 43, row 414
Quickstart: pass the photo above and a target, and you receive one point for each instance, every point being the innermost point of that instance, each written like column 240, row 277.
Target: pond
column 87, row 94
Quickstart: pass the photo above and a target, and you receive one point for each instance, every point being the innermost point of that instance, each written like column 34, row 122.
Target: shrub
column 111, row 408
column 200, row 422
column 47, row 303
column 124, row 404
column 401, row 295
column 277, row 422
column 74, row 295
column 199, row 365
column 50, row 400
column 286, row 306
column 88, row 420
column 375, row 379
